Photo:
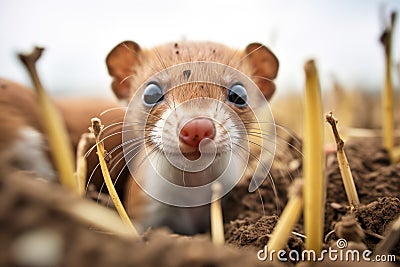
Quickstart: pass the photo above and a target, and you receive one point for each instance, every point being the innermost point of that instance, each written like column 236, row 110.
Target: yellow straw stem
column 388, row 95
column 53, row 125
column 288, row 218
column 396, row 154
column 343, row 104
column 96, row 129
column 217, row 225
column 99, row 218
column 344, row 167
column 314, row 181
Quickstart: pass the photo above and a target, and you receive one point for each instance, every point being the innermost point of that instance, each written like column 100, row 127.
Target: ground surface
column 35, row 231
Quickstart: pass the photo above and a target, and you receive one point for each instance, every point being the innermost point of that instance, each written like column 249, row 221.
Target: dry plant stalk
column 83, row 210
column 344, row 167
column 314, row 181
column 53, row 125
column 396, row 154
column 288, row 218
column 343, row 105
column 217, row 225
column 85, row 142
column 387, row 94
column 99, row 218
column 96, row 129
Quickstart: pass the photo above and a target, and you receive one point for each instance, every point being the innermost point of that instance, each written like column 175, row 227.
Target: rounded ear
column 265, row 67
column 121, row 63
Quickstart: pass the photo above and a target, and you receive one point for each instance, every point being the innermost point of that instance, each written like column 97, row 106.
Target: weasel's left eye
column 152, row 94
column 237, row 94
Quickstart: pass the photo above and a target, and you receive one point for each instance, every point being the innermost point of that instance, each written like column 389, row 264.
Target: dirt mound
column 36, row 230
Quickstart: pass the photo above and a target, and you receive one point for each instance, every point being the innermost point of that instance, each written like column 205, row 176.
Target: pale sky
column 342, row 36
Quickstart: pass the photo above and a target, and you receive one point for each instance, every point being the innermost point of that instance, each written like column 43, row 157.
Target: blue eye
column 237, row 95
column 152, row 94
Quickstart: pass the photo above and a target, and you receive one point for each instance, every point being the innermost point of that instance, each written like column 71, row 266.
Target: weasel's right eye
column 152, row 94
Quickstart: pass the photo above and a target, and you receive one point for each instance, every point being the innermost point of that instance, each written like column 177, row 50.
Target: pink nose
column 196, row 130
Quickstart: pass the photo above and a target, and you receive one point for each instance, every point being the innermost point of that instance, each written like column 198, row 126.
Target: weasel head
column 192, row 104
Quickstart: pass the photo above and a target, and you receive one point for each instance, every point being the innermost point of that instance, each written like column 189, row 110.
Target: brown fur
column 130, row 66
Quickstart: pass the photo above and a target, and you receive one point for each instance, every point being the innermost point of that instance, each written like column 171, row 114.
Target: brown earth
column 29, row 208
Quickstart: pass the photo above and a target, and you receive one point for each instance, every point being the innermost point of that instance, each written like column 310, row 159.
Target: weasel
column 174, row 122
column 185, row 101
